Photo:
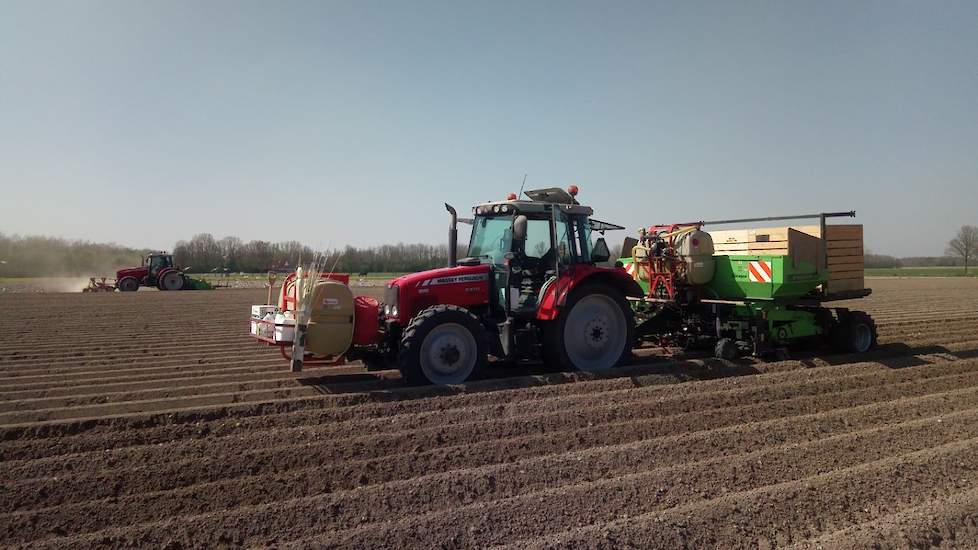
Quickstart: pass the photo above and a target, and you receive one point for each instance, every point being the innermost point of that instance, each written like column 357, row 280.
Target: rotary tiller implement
column 99, row 284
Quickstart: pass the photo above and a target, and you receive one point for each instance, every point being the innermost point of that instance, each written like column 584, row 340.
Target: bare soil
column 151, row 419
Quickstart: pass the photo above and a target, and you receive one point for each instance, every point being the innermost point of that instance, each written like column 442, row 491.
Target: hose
column 680, row 232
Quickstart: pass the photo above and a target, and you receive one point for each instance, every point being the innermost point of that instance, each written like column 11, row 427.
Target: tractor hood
column 466, row 286
column 443, row 276
column 137, row 272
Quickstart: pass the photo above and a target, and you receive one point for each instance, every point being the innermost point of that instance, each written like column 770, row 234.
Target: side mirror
column 600, row 252
column 519, row 228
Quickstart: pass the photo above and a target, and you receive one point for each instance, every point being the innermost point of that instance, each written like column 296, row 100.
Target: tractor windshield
column 492, row 237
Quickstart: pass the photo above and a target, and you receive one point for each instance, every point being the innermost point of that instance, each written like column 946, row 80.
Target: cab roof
column 541, row 200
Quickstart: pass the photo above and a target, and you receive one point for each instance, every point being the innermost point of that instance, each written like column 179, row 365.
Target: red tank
column 367, row 320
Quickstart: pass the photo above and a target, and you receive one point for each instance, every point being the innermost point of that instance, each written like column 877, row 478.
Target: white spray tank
column 696, row 248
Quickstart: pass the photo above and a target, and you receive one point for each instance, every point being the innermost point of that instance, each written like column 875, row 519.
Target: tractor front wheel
column 593, row 332
column 443, row 344
column 128, row 284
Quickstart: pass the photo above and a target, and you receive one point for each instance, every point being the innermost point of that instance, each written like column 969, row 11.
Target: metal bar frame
column 821, row 216
column 663, row 270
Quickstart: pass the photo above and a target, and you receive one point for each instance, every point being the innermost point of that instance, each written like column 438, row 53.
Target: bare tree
column 964, row 245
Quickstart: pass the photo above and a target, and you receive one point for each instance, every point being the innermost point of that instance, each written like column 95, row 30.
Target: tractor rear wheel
column 128, row 284
column 172, row 280
column 443, row 344
column 593, row 331
column 855, row 332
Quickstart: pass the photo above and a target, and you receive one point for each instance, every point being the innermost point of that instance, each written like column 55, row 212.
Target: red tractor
column 157, row 270
column 531, row 287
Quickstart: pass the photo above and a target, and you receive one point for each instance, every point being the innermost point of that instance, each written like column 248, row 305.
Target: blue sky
column 351, row 123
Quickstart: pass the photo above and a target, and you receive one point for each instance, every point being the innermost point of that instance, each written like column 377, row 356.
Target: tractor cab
column 530, row 244
column 155, row 263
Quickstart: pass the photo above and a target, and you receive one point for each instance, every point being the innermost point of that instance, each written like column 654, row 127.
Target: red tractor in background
column 531, row 287
column 157, row 270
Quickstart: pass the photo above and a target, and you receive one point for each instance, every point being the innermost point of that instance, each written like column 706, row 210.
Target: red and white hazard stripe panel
column 759, row 271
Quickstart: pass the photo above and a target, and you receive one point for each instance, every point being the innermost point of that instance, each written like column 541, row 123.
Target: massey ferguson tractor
column 157, row 270
column 534, row 285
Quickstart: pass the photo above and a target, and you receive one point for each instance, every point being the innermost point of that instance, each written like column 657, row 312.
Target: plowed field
column 151, row 419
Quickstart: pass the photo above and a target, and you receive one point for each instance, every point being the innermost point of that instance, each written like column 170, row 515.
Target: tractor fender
column 555, row 293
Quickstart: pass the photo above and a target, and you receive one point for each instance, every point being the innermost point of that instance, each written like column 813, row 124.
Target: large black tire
column 726, row 349
column 171, row 280
column 855, row 332
column 127, row 284
column 443, row 344
column 593, row 332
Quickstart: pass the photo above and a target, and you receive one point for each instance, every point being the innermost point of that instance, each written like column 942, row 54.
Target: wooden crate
column 735, row 236
column 849, row 232
column 844, row 245
column 770, row 249
column 842, row 285
column 845, row 258
column 835, row 259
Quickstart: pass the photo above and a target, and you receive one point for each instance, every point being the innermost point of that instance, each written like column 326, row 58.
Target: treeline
column 880, row 260
column 33, row 256
column 388, row 258
column 885, row 261
column 204, row 253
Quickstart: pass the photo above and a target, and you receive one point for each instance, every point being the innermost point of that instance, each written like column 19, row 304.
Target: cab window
column 582, row 238
column 537, row 238
column 491, row 238
column 565, row 245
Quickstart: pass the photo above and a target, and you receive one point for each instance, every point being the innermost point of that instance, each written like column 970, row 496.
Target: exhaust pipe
column 452, row 237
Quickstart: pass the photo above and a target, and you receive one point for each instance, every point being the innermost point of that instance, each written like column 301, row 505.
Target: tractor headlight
column 390, row 300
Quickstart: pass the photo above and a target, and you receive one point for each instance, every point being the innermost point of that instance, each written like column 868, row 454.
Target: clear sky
column 145, row 122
